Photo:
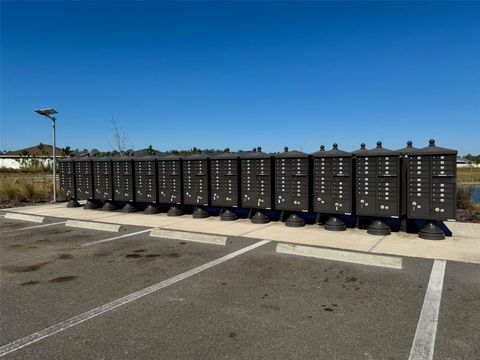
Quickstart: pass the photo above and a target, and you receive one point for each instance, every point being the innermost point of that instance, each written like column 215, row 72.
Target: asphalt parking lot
column 140, row 297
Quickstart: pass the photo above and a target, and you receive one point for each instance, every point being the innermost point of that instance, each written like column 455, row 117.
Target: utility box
column 196, row 174
column 224, row 177
column 103, row 179
column 123, row 179
column 378, row 186
column 332, row 184
column 66, row 174
column 169, row 170
column 84, row 178
column 432, row 187
column 256, row 180
column 145, row 172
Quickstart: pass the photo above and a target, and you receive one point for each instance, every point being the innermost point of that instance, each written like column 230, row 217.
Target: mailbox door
column 84, row 179
column 196, row 190
column 256, row 175
column 123, row 180
column 291, row 184
column 419, row 187
column 388, row 186
column 224, row 182
column 366, row 186
column 443, row 206
column 169, row 182
column 323, row 185
column 102, row 180
column 145, row 181
column 67, row 179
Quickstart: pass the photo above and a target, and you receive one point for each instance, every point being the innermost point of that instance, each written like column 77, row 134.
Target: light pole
column 48, row 113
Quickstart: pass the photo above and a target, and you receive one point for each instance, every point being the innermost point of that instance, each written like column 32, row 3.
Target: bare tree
column 120, row 139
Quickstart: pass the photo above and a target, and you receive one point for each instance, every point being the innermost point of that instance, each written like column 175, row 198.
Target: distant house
column 40, row 154
column 463, row 163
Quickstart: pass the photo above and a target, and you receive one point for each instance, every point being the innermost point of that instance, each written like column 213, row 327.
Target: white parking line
column 52, row 330
column 33, row 227
column 116, row 237
column 424, row 341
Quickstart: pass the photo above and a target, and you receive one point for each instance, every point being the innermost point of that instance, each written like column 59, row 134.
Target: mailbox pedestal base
column 73, row 203
column 294, row 220
column 174, row 211
column 335, row 224
column 260, row 218
column 378, row 227
column 151, row 210
column 200, row 213
column 228, row 215
column 90, row 205
column 431, row 232
column 129, row 208
column 109, row 206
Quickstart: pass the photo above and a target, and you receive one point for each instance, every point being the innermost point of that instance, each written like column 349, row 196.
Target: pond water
column 476, row 193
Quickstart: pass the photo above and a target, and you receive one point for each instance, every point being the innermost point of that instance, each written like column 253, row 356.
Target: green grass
column 468, row 175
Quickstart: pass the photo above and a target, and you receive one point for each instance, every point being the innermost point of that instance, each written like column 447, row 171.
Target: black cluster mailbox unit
column 84, row 181
column 145, row 176
column 66, row 173
column 406, row 224
column 378, row 187
column 103, row 182
column 123, row 182
column 292, row 185
column 225, row 184
column 196, row 183
column 169, row 170
column 431, row 188
column 332, row 185
column 256, row 170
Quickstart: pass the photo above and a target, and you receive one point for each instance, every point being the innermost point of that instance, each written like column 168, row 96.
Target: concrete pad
column 39, row 207
column 464, row 248
column 341, row 255
column 189, row 236
column 139, row 219
column 213, row 225
column 24, row 217
column 352, row 239
column 77, row 213
column 91, row 225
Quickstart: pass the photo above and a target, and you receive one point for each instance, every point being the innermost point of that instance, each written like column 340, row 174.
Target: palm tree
column 66, row 152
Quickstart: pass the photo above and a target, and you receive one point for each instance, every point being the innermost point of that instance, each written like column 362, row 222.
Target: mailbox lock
column 437, row 209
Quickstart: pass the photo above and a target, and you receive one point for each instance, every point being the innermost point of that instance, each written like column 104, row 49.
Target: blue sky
column 212, row 75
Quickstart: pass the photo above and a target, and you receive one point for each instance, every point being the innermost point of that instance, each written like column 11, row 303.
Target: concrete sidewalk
column 463, row 246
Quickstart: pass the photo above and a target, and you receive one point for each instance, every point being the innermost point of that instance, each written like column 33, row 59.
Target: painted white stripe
column 24, row 217
column 52, row 330
column 424, row 341
column 33, row 227
column 116, row 238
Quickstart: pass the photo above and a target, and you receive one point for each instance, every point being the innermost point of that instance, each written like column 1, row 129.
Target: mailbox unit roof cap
column 379, row 151
column 292, row 154
column 103, row 158
column 146, row 158
column 124, row 158
column 170, row 157
column 81, row 158
column 200, row 156
column 334, row 152
column 432, row 149
column 408, row 150
column 361, row 150
column 226, row 155
column 257, row 154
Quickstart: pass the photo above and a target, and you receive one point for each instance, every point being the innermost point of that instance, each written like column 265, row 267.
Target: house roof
column 47, row 150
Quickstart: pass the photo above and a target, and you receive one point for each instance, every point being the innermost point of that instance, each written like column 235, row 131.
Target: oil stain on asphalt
column 24, row 268
column 61, row 279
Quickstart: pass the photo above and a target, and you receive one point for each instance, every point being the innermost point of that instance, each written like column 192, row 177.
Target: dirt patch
column 61, row 279
column 30, row 283
column 65, row 256
column 24, row 268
